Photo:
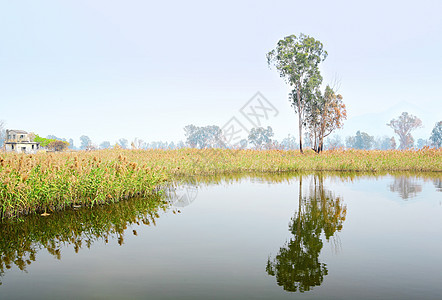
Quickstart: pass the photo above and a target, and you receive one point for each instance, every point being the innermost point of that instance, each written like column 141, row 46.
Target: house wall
column 8, row 147
column 22, row 147
column 15, row 136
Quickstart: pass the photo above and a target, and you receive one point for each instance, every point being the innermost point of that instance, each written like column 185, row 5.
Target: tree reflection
column 20, row 241
column 438, row 184
column 297, row 266
column 406, row 187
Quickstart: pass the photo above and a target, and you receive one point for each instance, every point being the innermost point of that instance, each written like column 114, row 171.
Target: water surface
column 252, row 237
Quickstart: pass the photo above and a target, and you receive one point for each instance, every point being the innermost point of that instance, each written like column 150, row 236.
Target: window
column 32, row 147
column 12, row 147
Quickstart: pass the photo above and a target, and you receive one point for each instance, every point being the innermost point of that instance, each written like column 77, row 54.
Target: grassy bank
column 49, row 182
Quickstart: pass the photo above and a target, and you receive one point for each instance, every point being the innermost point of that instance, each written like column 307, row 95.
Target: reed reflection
column 297, row 266
column 20, row 241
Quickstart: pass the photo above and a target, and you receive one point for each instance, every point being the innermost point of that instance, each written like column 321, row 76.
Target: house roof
column 17, row 131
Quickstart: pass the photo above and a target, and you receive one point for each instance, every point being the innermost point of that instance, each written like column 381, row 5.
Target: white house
column 19, row 141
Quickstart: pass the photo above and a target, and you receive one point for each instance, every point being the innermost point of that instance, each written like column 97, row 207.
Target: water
column 247, row 237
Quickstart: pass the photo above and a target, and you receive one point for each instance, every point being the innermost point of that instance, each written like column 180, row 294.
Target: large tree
column 324, row 115
column 204, row 137
column 57, row 145
column 289, row 143
column 123, row 143
column 105, row 145
column 86, row 142
column 436, row 135
column 260, row 136
column 403, row 126
column 361, row 140
column 384, row 143
column 297, row 61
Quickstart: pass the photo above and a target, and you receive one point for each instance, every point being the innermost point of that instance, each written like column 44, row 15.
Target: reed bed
column 220, row 161
column 47, row 182
column 50, row 182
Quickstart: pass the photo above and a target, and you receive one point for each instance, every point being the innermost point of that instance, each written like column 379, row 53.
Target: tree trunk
column 322, row 128
column 299, row 207
column 299, row 116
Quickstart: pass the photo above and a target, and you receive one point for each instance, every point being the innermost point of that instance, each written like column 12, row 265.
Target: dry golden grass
column 48, row 182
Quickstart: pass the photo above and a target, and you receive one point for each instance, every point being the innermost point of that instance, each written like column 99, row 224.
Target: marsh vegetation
column 44, row 183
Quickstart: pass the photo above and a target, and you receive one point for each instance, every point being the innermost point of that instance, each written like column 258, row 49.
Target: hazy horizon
column 112, row 70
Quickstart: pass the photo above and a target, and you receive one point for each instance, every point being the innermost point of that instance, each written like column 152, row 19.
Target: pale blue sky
column 112, row 69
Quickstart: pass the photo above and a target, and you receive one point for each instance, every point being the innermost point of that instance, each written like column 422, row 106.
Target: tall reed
column 48, row 182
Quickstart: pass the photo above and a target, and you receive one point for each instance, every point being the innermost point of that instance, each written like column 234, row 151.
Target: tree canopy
column 403, row 126
column 50, row 143
column 361, row 140
column 105, row 145
column 204, row 137
column 324, row 115
column 86, row 142
column 260, row 137
column 124, row 143
column 436, row 135
column 58, row 145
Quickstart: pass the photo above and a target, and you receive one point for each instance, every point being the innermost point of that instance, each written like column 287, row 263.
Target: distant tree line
column 262, row 138
column 211, row 136
column 402, row 126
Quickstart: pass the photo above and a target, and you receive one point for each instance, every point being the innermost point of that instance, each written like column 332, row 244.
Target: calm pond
column 283, row 236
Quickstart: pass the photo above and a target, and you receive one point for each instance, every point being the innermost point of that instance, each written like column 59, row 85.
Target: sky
column 145, row 69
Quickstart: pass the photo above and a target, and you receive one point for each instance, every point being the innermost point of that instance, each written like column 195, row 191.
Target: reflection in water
column 21, row 241
column 182, row 195
column 407, row 187
column 297, row 266
column 438, row 184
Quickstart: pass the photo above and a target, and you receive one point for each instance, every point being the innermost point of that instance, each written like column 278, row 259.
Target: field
column 47, row 182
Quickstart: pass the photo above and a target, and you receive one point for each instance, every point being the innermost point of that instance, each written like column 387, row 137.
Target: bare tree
column 403, row 126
